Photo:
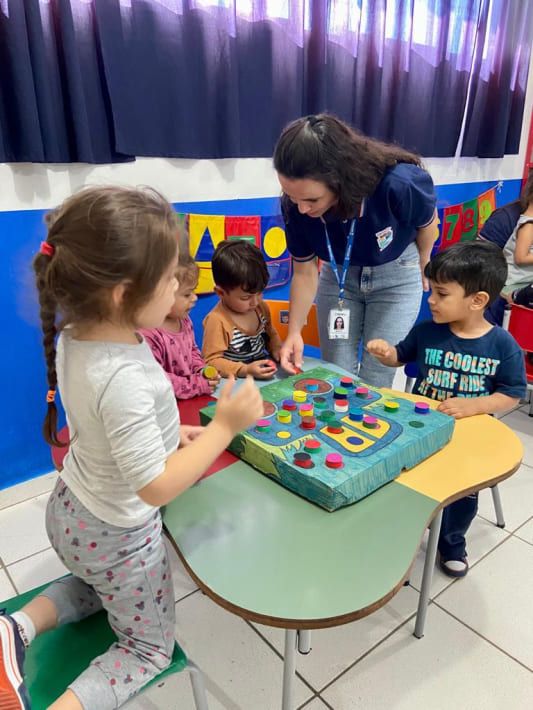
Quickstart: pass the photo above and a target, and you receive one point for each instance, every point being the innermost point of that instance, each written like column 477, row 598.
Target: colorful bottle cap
column 209, row 372
column 312, row 446
column 422, row 408
column 334, row 461
column 283, row 435
column 391, row 407
column 416, row 424
column 284, row 417
column 311, row 385
column 341, row 405
column 299, row 396
column 370, row 422
column 361, row 391
column 340, row 393
column 335, row 428
column 263, row 425
column 289, row 405
column 303, row 460
column 306, row 410
column 327, row 415
column 356, row 414
column 346, row 382
column 308, row 423
column 319, row 402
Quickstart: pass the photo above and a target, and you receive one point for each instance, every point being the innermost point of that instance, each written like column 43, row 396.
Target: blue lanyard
column 341, row 280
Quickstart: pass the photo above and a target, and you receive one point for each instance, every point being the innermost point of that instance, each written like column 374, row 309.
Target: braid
column 47, row 303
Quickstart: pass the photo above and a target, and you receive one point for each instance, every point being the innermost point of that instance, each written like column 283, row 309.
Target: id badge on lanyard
column 339, row 318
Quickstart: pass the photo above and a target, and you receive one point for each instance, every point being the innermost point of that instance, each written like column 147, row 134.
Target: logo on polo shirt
column 384, row 237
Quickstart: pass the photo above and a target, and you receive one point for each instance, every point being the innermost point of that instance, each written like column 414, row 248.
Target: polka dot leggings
column 126, row 572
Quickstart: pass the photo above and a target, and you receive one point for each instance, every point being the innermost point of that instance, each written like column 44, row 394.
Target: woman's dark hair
column 325, row 149
column 476, row 266
column 97, row 239
column 239, row 264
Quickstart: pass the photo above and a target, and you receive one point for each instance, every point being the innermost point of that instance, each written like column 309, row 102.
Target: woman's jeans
column 383, row 302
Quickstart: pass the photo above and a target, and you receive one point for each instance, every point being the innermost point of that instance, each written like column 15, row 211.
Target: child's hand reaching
column 260, row 369
column 459, row 407
column 240, row 410
column 382, row 351
column 213, row 382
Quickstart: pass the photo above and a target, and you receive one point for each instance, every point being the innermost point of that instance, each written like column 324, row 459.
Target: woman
column 369, row 207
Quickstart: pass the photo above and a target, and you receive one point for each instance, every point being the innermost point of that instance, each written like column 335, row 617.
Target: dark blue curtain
column 106, row 80
column 499, row 79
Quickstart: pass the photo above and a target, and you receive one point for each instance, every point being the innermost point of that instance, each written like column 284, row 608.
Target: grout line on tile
column 280, row 656
column 369, row 651
column 480, row 635
column 308, row 702
column 33, row 554
column 186, row 596
column 12, row 581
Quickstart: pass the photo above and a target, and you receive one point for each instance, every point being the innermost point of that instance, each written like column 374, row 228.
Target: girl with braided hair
column 107, row 269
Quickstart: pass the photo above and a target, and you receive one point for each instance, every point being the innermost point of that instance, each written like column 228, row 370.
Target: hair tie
column 50, row 396
column 47, row 249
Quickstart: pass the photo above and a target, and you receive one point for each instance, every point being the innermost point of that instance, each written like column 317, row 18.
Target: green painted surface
column 57, row 657
column 270, row 552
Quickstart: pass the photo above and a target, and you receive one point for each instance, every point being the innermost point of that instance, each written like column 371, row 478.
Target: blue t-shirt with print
column 450, row 366
column 403, row 202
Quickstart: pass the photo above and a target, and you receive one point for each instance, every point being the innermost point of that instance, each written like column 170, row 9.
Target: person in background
column 469, row 365
column 106, row 269
column 173, row 344
column 518, row 250
column 498, row 229
column 239, row 329
column 367, row 210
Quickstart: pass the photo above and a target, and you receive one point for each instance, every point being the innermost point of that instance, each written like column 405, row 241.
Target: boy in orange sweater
column 239, row 330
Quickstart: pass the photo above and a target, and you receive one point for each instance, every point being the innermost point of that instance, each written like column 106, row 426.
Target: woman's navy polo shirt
column 403, row 202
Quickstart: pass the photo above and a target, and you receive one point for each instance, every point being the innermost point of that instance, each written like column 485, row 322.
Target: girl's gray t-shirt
column 517, row 273
column 123, row 423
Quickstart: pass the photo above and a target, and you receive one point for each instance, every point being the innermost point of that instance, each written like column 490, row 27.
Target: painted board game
column 333, row 440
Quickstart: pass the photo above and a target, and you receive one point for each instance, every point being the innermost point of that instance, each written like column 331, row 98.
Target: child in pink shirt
column 173, row 344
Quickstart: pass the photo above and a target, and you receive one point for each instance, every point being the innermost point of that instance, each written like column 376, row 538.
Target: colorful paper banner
column 463, row 222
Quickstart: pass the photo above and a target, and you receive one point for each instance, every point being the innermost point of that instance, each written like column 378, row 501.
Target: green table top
column 270, row 556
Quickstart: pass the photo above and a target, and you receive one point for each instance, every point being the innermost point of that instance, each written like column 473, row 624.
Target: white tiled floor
column 477, row 653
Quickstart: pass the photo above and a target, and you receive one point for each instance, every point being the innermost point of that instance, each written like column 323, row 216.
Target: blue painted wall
column 23, row 453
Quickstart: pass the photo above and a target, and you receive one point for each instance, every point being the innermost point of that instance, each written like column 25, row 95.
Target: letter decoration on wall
column 267, row 233
column 462, row 222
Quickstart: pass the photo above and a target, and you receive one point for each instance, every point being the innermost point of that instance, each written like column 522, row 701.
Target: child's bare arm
column 460, row 407
column 524, row 240
column 186, row 465
column 384, row 352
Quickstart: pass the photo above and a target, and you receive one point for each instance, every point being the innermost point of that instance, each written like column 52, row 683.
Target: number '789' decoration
column 460, row 223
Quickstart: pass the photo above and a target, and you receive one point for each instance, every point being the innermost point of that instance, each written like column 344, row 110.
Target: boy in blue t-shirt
column 469, row 365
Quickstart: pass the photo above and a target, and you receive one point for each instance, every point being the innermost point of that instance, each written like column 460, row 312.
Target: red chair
column 521, row 328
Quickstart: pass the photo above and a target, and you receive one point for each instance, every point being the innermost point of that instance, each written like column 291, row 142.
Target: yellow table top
column 482, row 452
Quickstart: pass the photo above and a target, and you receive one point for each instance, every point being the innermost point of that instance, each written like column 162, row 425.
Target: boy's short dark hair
column 476, row 266
column 239, row 264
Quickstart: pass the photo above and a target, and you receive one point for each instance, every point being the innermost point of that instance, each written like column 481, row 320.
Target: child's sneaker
column 454, row 568
column 13, row 693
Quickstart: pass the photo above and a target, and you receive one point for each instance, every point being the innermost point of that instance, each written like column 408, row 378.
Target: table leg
column 431, row 554
column 304, row 641
column 289, row 669
column 500, row 520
